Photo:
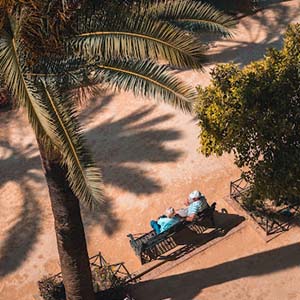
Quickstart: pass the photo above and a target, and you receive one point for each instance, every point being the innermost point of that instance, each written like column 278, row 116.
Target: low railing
column 239, row 188
column 105, row 277
column 271, row 221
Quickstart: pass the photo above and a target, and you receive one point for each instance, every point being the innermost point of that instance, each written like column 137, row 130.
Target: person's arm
column 179, row 217
column 186, row 202
column 190, row 218
column 192, row 211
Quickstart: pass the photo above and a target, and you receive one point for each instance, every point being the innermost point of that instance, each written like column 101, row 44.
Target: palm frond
column 80, row 87
column 139, row 37
column 21, row 88
column 84, row 93
column 70, row 75
column 53, row 121
column 190, row 15
column 84, row 177
column 148, row 79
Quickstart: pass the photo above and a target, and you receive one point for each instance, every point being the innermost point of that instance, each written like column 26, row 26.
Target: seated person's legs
column 155, row 226
column 165, row 222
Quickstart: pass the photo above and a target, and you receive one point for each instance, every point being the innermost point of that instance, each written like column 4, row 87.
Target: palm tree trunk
column 69, row 230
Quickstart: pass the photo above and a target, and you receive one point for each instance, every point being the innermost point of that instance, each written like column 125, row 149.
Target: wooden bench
column 150, row 246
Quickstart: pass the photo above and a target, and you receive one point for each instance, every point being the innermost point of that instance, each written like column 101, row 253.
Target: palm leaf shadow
column 243, row 52
column 121, row 146
column 21, row 238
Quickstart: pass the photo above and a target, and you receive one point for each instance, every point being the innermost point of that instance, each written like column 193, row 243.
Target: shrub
column 254, row 112
column 52, row 288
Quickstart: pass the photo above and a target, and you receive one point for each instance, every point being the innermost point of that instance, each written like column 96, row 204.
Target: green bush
column 105, row 284
column 254, row 112
column 52, row 288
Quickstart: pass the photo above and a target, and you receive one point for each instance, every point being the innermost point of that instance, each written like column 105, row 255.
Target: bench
column 150, row 246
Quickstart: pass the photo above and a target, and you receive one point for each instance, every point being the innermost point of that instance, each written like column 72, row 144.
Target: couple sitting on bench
column 195, row 203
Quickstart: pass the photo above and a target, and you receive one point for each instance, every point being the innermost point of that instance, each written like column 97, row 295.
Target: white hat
column 193, row 195
column 170, row 211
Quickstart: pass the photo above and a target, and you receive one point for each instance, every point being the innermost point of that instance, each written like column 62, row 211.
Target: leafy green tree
column 51, row 50
column 254, row 112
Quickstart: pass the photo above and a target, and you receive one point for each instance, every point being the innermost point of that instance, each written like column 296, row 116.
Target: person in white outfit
column 195, row 203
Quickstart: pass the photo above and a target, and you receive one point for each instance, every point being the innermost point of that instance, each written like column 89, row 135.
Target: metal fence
column 271, row 221
column 106, row 278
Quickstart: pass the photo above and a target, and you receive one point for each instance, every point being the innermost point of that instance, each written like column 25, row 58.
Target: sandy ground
column 148, row 154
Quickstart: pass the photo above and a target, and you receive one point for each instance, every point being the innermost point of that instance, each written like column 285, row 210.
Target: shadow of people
column 188, row 285
column 223, row 224
column 190, row 237
column 183, row 237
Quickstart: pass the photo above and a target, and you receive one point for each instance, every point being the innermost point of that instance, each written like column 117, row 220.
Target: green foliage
column 52, row 288
column 255, row 113
column 108, row 280
column 147, row 79
column 139, row 37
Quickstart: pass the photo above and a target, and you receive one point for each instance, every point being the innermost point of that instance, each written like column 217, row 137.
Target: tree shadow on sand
column 23, row 166
column 17, row 165
column 188, row 285
column 121, row 146
column 117, row 143
column 21, row 237
column 244, row 52
column 103, row 215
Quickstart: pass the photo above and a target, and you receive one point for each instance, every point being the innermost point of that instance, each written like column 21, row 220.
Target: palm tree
column 50, row 50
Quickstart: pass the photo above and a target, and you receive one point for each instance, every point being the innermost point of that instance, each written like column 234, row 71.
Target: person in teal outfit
column 166, row 221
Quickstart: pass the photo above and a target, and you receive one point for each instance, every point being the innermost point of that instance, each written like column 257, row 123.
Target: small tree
column 255, row 113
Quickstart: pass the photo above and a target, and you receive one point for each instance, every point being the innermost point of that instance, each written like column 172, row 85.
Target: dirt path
column 148, row 154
